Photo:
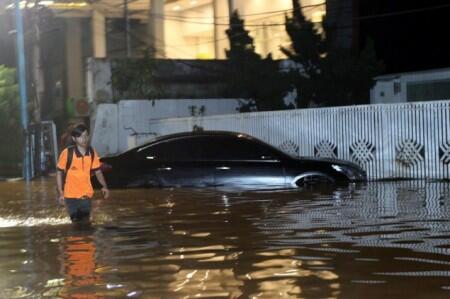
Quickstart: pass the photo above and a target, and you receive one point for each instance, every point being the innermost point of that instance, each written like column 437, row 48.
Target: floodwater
column 374, row 240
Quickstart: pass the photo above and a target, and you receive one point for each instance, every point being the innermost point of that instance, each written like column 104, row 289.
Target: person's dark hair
column 78, row 130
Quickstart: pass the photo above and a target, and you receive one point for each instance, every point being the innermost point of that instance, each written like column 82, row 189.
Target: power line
column 199, row 43
column 221, row 24
column 219, row 39
column 418, row 10
column 186, row 19
column 242, row 15
column 403, row 12
column 182, row 19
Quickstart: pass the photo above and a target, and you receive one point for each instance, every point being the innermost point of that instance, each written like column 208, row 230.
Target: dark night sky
column 408, row 42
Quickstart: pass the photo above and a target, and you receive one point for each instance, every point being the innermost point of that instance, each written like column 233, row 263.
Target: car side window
column 233, row 148
column 182, row 149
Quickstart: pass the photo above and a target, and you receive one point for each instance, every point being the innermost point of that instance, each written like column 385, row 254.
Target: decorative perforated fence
column 409, row 140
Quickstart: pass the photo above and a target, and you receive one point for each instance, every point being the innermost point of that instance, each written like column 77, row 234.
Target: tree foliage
column 307, row 44
column 326, row 74
column 135, row 78
column 10, row 128
column 250, row 76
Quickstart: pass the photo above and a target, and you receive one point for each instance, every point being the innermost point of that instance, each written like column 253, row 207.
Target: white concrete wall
column 105, row 131
column 98, row 78
column 115, row 124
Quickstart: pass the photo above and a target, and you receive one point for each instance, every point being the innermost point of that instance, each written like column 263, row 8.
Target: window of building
column 189, row 29
column 397, row 87
column 428, row 90
column 195, row 29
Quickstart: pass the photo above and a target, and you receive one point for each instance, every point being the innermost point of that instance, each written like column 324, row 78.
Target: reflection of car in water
column 220, row 159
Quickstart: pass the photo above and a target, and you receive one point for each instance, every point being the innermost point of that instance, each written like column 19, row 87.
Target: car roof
column 200, row 133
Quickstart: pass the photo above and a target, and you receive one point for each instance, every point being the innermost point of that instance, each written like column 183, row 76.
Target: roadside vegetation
column 10, row 129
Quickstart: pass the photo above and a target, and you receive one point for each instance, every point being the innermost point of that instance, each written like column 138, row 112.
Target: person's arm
column 60, row 169
column 102, row 181
column 59, row 184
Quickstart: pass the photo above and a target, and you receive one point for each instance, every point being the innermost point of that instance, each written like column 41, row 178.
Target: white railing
column 410, row 140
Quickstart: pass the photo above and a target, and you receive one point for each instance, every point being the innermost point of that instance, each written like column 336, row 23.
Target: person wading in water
column 73, row 177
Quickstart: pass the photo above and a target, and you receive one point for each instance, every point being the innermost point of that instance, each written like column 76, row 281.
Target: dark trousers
column 79, row 209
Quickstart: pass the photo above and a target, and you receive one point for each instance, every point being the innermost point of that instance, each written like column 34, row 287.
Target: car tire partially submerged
column 312, row 179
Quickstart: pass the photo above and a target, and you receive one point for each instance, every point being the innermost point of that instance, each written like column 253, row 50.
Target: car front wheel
column 312, row 179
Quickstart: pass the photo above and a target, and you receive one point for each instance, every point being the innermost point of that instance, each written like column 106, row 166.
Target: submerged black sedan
column 220, row 159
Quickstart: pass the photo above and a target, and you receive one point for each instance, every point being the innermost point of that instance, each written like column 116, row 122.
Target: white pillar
column 98, row 34
column 74, row 79
column 221, row 9
column 156, row 27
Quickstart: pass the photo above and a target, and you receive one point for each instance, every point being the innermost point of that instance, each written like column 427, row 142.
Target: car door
column 176, row 163
column 244, row 163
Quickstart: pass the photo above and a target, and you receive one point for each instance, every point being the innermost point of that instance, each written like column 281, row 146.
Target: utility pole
column 23, row 91
column 127, row 27
column 230, row 8
column 37, row 68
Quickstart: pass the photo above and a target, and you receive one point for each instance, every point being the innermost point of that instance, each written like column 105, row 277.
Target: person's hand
column 105, row 192
column 61, row 199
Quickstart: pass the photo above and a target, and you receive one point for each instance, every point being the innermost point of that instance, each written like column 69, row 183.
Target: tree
column 136, row 77
column 324, row 74
column 305, row 51
column 346, row 77
column 307, row 44
column 249, row 76
column 10, row 128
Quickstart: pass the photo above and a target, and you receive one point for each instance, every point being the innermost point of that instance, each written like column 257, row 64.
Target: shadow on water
column 386, row 239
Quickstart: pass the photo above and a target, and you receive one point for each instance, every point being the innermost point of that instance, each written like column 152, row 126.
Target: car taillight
column 105, row 167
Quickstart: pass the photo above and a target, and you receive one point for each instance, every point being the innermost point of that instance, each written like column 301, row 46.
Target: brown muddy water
column 374, row 240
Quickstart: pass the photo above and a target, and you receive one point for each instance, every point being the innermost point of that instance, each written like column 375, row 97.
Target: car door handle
column 164, row 168
column 223, row 168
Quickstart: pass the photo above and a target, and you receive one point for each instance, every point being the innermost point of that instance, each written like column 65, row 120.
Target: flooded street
column 374, row 240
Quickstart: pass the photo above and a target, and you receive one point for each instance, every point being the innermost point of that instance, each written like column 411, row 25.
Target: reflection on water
column 79, row 264
column 373, row 240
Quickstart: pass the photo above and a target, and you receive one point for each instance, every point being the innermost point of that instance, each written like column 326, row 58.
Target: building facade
column 196, row 28
column 177, row 29
column 69, row 32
